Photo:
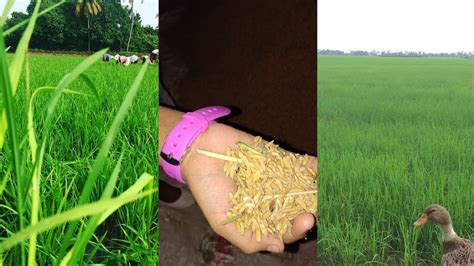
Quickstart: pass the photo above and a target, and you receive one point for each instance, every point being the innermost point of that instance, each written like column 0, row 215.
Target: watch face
column 169, row 158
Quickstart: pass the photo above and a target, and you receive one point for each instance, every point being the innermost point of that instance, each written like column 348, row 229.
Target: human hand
column 210, row 187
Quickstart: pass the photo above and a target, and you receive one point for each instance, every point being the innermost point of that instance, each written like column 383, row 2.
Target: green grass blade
column 35, row 180
column 8, row 123
column 22, row 48
column 90, row 84
column 19, row 25
column 31, row 132
column 4, row 16
column 104, row 150
column 68, row 79
column 71, row 215
column 8, row 48
column 4, row 182
column 113, row 132
column 51, row 106
column 143, row 182
column 10, row 116
column 16, row 66
column 96, row 247
column 81, row 242
column 135, row 188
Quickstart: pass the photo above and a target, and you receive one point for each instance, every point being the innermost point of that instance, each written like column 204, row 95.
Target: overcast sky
column 411, row 25
column 147, row 10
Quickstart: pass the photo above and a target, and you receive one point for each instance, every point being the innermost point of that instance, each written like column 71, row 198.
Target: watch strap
column 183, row 135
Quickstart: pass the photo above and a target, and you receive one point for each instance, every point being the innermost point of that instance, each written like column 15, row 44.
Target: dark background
column 256, row 56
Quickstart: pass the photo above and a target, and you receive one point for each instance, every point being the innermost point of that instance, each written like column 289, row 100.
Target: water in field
column 394, row 135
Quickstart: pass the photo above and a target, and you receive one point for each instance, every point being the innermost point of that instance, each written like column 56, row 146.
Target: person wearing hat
column 154, row 56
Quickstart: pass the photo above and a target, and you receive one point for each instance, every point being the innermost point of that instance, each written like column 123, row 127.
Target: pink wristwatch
column 183, row 135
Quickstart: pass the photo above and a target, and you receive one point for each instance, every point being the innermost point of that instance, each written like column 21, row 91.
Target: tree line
column 71, row 27
column 394, row 54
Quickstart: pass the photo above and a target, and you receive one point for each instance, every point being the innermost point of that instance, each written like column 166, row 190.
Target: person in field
column 107, row 57
column 143, row 58
column 133, row 59
column 123, row 60
column 154, row 56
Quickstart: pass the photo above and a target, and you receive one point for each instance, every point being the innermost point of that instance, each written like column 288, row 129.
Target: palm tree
column 133, row 21
column 89, row 8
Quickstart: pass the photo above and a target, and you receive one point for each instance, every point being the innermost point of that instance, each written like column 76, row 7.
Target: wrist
column 180, row 133
column 188, row 163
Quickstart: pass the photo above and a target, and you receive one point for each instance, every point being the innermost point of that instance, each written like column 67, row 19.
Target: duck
column 456, row 250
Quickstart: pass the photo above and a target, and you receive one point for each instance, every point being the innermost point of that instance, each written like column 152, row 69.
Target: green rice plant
column 58, row 215
column 394, row 135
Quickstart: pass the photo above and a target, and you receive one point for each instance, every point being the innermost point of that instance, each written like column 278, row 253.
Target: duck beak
column 423, row 219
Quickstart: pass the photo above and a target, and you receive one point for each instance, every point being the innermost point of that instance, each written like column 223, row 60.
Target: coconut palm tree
column 89, row 8
column 131, row 2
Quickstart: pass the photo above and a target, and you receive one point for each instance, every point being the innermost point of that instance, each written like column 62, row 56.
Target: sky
column 398, row 25
column 147, row 10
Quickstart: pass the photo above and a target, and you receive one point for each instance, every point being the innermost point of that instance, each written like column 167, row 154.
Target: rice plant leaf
column 16, row 66
column 3, row 184
column 68, row 79
column 90, row 84
column 5, row 84
column 35, row 180
column 83, row 239
column 143, row 182
column 113, row 131
column 104, row 150
column 21, row 50
column 19, row 25
column 71, row 215
column 138, row 186
column 31, row 132
column 52, row 104
column 6, row 10
column 93, row 251
column 135, row 188
column 9, row 115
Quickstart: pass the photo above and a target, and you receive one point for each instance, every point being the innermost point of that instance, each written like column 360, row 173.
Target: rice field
column 83, row 120
column 394, row 135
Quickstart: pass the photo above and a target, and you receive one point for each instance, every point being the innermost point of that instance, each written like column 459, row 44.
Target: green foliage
column 62, row 29
column 80, row 126
column 65, row 119
column 15, row 19
column 394, row 135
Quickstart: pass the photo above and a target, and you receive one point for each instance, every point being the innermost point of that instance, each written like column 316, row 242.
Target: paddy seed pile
column 273, row 187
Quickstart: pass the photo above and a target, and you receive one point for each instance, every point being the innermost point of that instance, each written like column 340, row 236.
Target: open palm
column 211, row 188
